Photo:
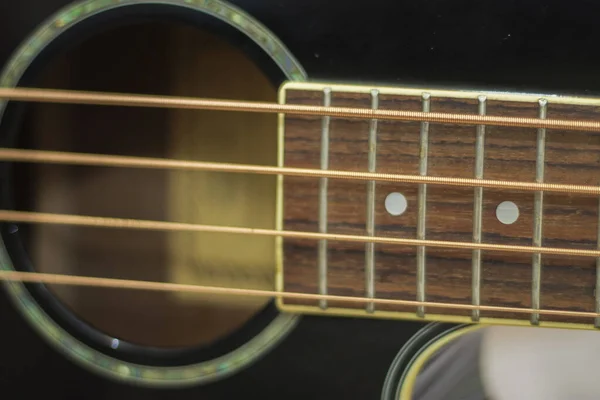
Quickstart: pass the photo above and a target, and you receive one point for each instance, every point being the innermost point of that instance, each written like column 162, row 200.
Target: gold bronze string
column 53, row 157
column 137, row 224
column 59, row 279
column 134, row 100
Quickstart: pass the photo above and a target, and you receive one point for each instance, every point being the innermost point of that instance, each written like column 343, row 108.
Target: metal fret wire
column 323, row 183
column 370, row 247
column 538, row 215
column 422, row 206
column 478, row 210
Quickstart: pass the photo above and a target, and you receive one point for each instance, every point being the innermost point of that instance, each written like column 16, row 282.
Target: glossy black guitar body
column 535, row 46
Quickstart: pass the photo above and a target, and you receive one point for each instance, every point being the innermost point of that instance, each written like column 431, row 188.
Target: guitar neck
column 474, row 272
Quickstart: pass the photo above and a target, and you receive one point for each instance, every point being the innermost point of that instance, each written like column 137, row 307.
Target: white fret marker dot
column 395, row 203
column 507, row 212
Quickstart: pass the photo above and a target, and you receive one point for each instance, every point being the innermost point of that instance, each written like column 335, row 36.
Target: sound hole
column 154, row 59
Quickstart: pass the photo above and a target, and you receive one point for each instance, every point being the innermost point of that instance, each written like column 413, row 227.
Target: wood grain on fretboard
column 570, row 221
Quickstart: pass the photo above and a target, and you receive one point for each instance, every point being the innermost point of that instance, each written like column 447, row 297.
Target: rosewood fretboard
column 440, row 212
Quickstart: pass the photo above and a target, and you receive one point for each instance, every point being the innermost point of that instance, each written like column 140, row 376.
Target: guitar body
column 539, row 47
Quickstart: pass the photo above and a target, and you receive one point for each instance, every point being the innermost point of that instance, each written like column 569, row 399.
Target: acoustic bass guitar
column 288, row 199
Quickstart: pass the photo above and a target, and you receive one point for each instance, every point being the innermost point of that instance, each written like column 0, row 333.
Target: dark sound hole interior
column 154, row 59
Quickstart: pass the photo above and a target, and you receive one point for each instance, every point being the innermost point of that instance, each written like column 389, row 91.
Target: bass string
column 176, row 102
column 74, row 280
column 138, row 224
column 55, row 157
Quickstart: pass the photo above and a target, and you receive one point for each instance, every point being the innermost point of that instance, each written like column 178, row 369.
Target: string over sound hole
column 187, row 62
